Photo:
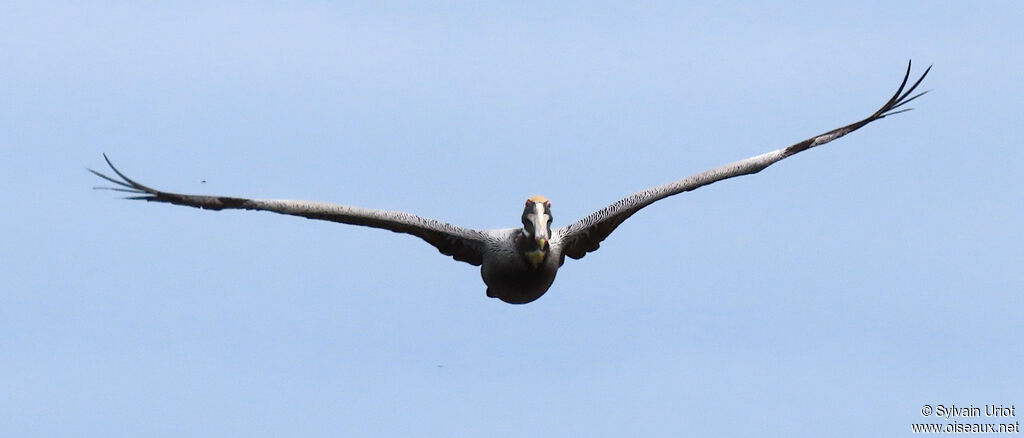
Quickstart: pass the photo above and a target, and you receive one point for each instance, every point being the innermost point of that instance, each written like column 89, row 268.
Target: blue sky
column 833, row 294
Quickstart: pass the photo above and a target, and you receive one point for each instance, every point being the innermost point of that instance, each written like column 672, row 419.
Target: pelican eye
column 528, row 224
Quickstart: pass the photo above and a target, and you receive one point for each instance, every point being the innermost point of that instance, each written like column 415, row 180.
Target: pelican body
column 518, row 265
column 536, row 260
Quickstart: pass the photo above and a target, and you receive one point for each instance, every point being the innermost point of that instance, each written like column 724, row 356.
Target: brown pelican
column 517, row 264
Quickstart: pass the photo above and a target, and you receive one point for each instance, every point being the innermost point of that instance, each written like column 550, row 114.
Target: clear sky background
column 833, row 294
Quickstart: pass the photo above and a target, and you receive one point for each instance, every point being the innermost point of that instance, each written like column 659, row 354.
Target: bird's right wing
column 462, row 244
column 584, row 236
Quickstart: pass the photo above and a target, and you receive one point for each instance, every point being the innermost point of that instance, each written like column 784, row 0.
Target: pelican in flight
column 517, row 264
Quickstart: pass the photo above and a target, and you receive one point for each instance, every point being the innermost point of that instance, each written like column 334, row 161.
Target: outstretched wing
column 585, row 235
column 463, row 244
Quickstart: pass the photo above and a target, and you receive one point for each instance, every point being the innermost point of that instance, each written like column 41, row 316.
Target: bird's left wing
column 585, row 235
column 463, row 244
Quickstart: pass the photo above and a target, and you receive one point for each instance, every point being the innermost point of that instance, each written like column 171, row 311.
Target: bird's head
column 537, row 227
